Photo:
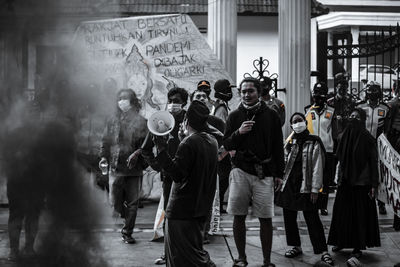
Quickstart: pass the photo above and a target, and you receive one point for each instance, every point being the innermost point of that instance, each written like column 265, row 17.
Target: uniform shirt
column 320, row 124
column 277, row 105
column 376, row 116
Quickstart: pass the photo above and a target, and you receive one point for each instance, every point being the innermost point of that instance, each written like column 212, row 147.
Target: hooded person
column 354, row 219
column 193, row 170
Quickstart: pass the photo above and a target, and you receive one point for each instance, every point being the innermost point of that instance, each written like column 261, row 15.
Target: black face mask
column 374, row 96
column 223, row 96
column 319, row 100
column 353, row 122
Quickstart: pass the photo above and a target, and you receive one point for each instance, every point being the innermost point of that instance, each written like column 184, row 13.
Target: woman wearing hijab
column 354, row 219
column 302, row 181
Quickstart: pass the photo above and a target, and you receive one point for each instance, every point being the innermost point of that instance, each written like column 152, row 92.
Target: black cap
column 223, row 86
column 223, row 90
column 197, row 115
column 204, row 86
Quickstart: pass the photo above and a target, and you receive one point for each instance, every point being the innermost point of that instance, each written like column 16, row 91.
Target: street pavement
column 105, row 247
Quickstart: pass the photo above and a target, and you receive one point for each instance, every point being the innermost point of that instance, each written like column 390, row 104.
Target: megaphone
column 161, row 123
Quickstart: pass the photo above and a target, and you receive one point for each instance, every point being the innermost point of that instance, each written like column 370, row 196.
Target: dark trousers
column 329, row 177
column 23, row 205
column 223, row 174
column 126, row 189
column 132, row 194
column 315, row 229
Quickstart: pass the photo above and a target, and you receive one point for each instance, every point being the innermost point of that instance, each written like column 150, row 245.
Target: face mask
column 174, row 108
column 299, row 127
column 124, row 105
column 374, row 97
column 319, row 101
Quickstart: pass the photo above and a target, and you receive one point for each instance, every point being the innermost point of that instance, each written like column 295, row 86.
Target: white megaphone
column 161, row 123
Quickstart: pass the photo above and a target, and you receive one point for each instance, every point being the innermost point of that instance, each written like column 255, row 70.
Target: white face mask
column 174, row 108
column 124, row 105
column 299, row 127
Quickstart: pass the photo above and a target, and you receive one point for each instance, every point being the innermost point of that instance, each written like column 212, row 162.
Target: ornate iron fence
column 261, row 65
column 378, row 60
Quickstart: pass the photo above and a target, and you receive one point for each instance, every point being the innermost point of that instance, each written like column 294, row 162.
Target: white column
column 330, row 62
column 294, row 54
column 222, row 32
column 313, row 43
column 355, row 32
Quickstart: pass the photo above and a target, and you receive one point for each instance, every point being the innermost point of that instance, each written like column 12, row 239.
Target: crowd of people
column 332, row 147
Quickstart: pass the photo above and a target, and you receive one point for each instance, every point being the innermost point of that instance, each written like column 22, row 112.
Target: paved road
column 102, row 246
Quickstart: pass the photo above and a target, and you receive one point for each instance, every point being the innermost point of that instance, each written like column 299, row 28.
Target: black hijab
column 354, row 148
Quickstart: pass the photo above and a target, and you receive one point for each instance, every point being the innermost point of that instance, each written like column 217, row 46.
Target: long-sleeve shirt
column 264, row 143
column 194, row 174
column 124, row 134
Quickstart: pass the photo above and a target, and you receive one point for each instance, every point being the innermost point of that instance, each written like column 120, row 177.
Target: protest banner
column 149, row 54
column 389, row 174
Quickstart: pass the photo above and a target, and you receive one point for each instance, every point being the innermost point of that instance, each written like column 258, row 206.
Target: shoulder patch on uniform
column 312, row 115
column 381, row 112
column 328, row 115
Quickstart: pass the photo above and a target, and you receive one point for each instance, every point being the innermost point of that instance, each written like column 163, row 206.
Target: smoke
column 41, row 139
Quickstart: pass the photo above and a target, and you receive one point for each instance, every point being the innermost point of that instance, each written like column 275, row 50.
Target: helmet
column 223, row 90
column 320, row 89
column 373, row 91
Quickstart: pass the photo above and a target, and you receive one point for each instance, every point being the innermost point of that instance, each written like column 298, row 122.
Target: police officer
column 320, row 118
column 272, row 102
column 377, row 113
column 342, row 101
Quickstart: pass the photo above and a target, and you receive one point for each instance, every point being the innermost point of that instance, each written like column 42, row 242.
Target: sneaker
column 396, row 223
column 382, row 210
column 13, row 255
column 28, row 252
column 206, row 239
column 160, row 261
column 353, row 262
column 128, row 239
column 324, row 212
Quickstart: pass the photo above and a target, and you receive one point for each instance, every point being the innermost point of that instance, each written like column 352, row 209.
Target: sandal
column 294, row 252
column 326, row 257
column 353, row 262
column 239, row 263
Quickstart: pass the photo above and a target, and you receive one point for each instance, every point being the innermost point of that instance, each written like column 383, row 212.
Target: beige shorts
column 244, row 187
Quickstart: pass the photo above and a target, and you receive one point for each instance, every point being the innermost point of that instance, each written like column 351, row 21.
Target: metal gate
column 375, row 58
column 262, row 74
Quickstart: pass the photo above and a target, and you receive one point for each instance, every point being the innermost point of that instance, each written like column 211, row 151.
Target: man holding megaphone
column 177, row 99
column 194, row 173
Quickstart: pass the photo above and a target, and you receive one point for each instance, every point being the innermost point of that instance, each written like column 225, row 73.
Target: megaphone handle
column 148, row 142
